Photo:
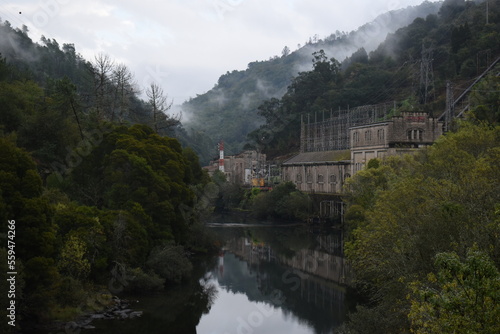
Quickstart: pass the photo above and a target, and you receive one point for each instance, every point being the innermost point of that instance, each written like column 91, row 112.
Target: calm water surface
column 264, row 280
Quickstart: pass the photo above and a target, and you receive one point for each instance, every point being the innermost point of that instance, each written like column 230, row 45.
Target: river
column 264, row 280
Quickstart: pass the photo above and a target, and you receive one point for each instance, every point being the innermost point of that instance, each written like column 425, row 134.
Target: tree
column 285, row 52
column 443, row 199
column 124, row 90
column 73, row 258
column 102, row 69
column 67, row 98
column 463, row 297
column 159, row 104
column 485, row 101
column 21, row 198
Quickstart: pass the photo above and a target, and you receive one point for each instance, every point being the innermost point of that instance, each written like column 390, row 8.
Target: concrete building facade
column 321, row 172
column 402, row 134
column 245, row 168
column 316, row 170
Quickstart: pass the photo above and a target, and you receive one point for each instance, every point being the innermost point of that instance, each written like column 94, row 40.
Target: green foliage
column 457, row 40
column 5, row 286
column 21, row 199
column 138, row 167
column 234, row 108
column 461, row 298
column 144, row 281
column 373, row 163
column 409, row 209
column 283, row 202
column 73, row 258
column 170, row 262
column 112, row 192
column 485, row 100
column 194, row 174
column 219, row 178
column 42, row 283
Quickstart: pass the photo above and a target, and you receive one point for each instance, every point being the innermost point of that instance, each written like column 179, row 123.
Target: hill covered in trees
column 423, row 236
column 94, row 197
column 229, row 111
column 412, row 66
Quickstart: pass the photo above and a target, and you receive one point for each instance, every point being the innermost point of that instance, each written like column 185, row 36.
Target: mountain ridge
column 238, row 94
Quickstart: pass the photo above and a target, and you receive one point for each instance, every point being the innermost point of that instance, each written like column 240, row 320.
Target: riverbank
column 106, row 307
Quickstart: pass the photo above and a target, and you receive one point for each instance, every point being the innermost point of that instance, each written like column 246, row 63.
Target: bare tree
column 102, row 69
column 160, row 105
column 123, row 82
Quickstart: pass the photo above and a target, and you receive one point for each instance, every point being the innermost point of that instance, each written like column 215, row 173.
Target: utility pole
column 487, row 11
column 449, row 107
column 426, row 75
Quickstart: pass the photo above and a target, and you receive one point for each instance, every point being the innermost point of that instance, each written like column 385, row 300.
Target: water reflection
column 277, row 281
column 176, row 310
column 265, row 280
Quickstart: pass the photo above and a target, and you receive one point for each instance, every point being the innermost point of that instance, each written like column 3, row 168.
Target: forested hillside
column 94, row 198
column 411, row 66
column 103, row 199
column 229, row 111
column 423, row 235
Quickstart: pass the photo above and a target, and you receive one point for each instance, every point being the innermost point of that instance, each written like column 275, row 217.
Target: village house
column 246, row 168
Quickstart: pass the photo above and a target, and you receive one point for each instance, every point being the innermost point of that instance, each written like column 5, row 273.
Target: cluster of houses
column 321, row 166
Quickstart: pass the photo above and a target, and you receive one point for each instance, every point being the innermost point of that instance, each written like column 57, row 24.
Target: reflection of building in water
column 321, row 262
column 221, row 263
column 309, row 282
column 327, row 296
column 317, row 263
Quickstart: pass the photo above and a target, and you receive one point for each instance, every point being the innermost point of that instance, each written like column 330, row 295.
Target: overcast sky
column 186, row 45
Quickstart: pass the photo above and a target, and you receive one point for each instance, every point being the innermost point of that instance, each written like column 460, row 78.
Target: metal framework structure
column 332, row 133
column 456, row 107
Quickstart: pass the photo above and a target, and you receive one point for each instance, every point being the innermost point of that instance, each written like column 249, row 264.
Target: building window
column 309, row 178
column 298, row 178
column 368, row 135
column 333, row 178
column 321, row 179
column 415, row 134
column 355, row 137
column 346, row 176
column 381, row 134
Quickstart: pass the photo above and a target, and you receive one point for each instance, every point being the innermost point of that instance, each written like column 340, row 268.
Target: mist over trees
column 101, row 195
column 230, row 110
column 411, row 66
column 97, row 191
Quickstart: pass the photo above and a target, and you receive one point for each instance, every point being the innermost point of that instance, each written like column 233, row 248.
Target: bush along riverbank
column 423, row 237
column 107, row 307
column 119, row 218
column 282, row 203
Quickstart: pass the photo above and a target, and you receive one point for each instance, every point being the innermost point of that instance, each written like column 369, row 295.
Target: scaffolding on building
column 332, row 133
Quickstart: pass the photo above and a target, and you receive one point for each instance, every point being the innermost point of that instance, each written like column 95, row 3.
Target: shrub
column 170, row 262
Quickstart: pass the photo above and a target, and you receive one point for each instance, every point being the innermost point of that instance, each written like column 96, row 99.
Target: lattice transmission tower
column 426, row 87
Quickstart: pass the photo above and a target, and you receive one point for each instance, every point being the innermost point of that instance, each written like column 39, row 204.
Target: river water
column 266, row 280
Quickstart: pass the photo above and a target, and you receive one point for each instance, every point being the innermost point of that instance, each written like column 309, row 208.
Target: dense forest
column 95, row 198
column 423, row 229
column 424, row 236
column 412, row 67
column 229, row 110
column 103, row 199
